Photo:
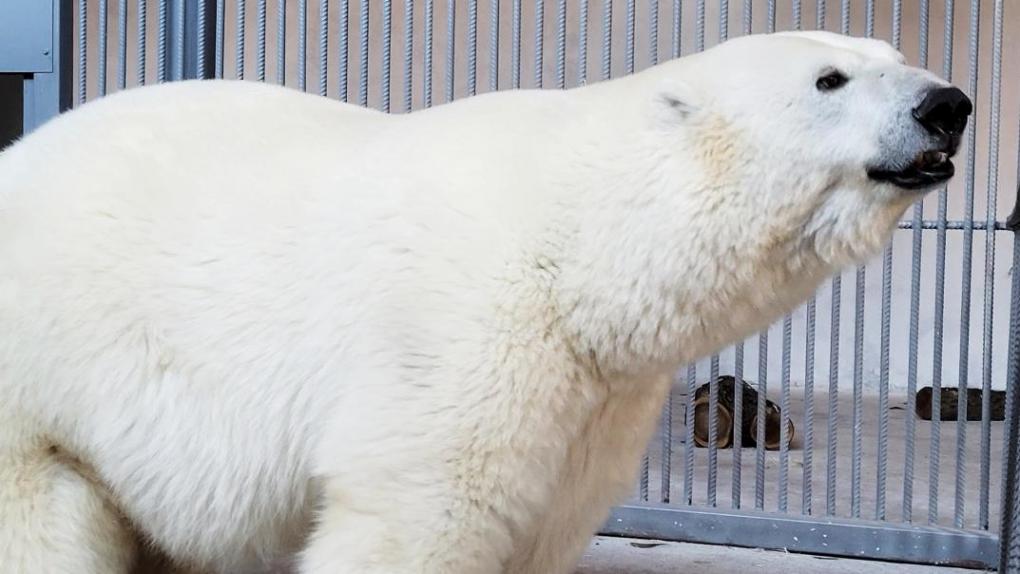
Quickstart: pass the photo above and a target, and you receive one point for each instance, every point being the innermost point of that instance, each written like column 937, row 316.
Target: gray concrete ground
column 947, row 493
column 626, row 556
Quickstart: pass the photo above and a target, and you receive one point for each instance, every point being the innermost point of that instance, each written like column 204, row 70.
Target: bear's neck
column 661, row 264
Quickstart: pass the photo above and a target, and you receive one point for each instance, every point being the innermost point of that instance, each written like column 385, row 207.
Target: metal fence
column 863, row 475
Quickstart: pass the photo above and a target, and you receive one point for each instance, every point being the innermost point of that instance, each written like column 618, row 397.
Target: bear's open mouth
column 928, row 169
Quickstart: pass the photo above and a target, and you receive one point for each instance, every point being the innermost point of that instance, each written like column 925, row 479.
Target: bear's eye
column 832, row 80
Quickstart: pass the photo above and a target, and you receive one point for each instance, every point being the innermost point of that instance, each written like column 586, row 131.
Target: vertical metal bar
column 883, row 383
column 515, row 44
column 844, row 17
column 883, row 386
column 494, row 45
column 188, row 29
column 869, row 18
column 582, row 44
column 539, row 43
column 940, row 299
column 771, row 19
column 201, row 47
column 699, row 26
column 713, row 429
column 607, row 38
column 787, row 341
column 967, row 277
column 809, row 369
column 324, row 46
column 281, row 42
column 628, row 56
column 345, row 54
column 667, row 411
column 472, row 47
column 103, row 36
column 665, row 474
column 858, row 381
column 832, row 437
column 820, row 14
column 738, row 421
column 451, row 56
column 142, row 39
column 561, row 44
column 83, row 42
column 1009, row 527
column 302, row 62
column 748, row 17
column 643, row 482
column 653, row 32
column 759, row 468
column 239, row 60
column 260, row 38
column 409, row 55
column 724, row 20
column 387, row 51
column 897, row 23
column 221, row 22
column 161, row 47
column 427, row 49
column 677, row 27
column 692, row 375
column 989, row 301
column 122, row 25
column 915, row 305
column 858, row 394
column 809, row 404
column 784, row 452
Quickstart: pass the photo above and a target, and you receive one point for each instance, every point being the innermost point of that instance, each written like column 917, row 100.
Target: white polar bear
column 240, row 322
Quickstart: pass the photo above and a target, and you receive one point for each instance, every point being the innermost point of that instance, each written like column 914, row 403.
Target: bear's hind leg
column 53, row 519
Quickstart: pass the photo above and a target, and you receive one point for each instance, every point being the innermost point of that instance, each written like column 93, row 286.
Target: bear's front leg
column 442, row 477
column 423, row 529
column 444, row 491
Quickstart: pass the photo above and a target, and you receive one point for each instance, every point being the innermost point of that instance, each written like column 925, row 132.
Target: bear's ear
column 677, row 100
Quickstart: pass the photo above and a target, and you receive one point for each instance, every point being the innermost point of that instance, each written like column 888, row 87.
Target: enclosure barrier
column 62, row 54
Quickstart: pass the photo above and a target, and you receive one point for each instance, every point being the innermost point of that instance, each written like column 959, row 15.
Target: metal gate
column 863, row 476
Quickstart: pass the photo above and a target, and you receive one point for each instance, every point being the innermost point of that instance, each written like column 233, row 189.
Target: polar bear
column 243, row 323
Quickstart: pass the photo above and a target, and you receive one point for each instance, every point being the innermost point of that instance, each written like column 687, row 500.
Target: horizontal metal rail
column 809, row 535
column 954, row 225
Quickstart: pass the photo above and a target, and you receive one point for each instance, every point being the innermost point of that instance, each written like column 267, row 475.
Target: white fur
column 240, row 321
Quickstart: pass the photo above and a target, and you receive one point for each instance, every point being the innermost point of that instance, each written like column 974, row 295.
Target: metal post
column 42, row 58
column 1009, row 534
column 191, row 29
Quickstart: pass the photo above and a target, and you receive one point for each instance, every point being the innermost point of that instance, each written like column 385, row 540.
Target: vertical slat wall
column 931, row 311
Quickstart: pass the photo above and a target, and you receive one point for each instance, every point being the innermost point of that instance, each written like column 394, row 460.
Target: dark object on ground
column 949, row 399
column 748, row 424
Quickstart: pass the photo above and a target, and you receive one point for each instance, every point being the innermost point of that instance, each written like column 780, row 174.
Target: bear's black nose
column 944, row 111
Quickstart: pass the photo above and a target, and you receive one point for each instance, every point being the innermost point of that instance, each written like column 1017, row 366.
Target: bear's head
column 773, row 161
column 840, row 129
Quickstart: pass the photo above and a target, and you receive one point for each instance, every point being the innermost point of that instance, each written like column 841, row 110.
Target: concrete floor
column 945, row 470
column 626, row 556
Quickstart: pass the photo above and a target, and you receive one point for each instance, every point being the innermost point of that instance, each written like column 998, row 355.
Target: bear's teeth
column 932, row 158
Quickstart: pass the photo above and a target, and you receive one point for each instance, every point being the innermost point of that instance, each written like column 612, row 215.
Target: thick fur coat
column 242, row 323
